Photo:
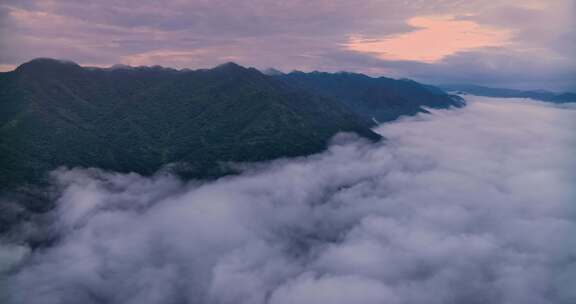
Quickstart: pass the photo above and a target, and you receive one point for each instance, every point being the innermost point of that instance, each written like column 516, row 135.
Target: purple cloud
column 306, row 35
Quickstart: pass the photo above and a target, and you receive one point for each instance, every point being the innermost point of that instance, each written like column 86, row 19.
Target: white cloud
column 472, row 205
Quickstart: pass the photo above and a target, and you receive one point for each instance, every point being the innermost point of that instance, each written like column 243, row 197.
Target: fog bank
column 472, row 205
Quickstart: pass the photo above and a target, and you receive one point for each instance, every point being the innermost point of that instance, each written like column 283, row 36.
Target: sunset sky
column 509, row 43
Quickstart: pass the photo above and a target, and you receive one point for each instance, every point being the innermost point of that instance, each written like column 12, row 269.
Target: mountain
column 376, row 99
column 511, row 93
column 128, row 119
column 272, row 72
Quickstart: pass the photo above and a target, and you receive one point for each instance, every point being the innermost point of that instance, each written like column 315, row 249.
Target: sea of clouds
column 472, row 205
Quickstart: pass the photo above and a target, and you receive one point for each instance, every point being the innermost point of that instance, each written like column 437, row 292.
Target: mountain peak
column 235, row 70
column 229, row 66
column 47, row 64
column 121, row 66
column 272, row 72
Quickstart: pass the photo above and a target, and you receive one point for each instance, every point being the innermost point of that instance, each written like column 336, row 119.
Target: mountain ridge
column 375, row 98
column 136, row 120
column 542, row 95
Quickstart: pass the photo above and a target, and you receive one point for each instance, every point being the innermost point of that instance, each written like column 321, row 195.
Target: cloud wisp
column 473, row 205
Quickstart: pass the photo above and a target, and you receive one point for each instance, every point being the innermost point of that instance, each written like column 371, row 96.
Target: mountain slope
column 381, row 99
column 138, row 120
column 511, row 93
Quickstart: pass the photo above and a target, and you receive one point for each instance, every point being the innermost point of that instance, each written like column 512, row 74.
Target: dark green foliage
column 140, row 119
column 381, row 99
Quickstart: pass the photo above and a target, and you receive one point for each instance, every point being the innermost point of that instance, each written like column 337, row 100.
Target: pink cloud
column 435, row 38
column 7, row 67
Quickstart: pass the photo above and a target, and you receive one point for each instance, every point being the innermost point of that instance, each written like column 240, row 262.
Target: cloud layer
column 473, row 205
column 503, row 42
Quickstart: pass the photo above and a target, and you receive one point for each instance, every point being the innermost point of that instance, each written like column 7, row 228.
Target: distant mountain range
column 511, row 93
column 57, row 113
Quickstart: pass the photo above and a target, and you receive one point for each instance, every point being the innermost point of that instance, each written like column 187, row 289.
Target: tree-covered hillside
column 376, row 99
column 139, row 119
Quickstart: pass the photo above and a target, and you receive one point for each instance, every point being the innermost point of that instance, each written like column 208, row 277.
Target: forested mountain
column 125, row 119
column 191, row 122
column 376, row 99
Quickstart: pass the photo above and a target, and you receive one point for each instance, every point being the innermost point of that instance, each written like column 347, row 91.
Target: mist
column 470, row 205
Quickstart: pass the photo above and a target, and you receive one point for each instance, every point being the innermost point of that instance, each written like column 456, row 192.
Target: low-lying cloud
column 472, row 205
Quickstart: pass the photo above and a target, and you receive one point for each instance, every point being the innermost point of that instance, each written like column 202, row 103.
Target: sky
column 471, row 205
column 526, row 44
